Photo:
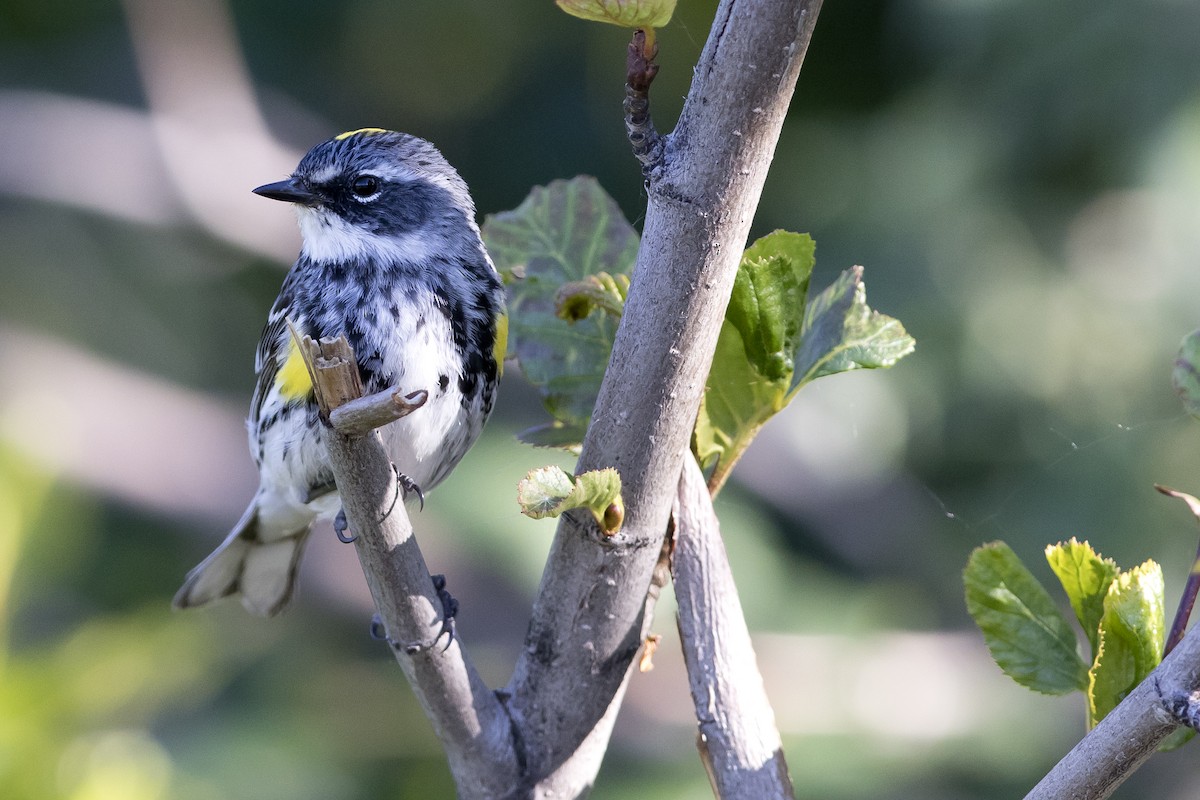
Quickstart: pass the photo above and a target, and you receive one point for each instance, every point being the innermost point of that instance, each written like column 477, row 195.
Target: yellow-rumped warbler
column 391, row 258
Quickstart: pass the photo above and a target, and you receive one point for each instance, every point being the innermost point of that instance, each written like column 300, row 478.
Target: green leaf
column 626, row 13
column 1186, row 375
column 1028, row 636
column 554, row 434
column 841, row 333
column 768, row 295
column 752, row 366
column 1085, row 577
column 549, row 491
column 1132, row 630
column 562, row 233
column 1176, row 739
column 736, row 403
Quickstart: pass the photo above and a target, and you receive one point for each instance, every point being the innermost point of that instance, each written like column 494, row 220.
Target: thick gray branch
column 1128, row 735
column 588, row 616
column 737, row 738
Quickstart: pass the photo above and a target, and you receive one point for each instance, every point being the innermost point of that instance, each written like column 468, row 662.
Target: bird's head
column 377, row 194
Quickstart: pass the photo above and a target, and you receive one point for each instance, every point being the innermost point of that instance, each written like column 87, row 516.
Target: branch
column 466, row 715
column 589, row 613
column 738, row 739
column 639, row 127
column 1129, row 734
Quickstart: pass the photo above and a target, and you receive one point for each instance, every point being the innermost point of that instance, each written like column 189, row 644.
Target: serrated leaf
column 1131, row 638
column 752, row 365
column 626, row 13
column 768, row 295
column 840, row 333
column 1085, row 577
column 1027, row 635
column 1185, row 377
column 549, row 491
column 542, row 492
column 564, row 232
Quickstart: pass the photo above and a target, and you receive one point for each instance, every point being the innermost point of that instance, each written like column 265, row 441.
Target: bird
column 391, row 258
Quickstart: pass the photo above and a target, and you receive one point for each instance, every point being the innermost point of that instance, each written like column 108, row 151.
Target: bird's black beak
column 289, row 191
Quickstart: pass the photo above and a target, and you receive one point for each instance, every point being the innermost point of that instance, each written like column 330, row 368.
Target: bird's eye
column 365, row 185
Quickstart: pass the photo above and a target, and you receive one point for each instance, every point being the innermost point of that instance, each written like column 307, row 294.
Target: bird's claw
column 449, row 611
column 409, row 486
column 341, row 526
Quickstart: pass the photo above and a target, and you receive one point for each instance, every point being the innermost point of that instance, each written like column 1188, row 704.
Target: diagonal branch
column 738, row 739
column 466, row 715
column 1129, row 734
column 702, row 194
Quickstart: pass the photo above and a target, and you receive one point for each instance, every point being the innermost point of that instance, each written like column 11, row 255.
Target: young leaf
column 841, row 333
column 1085, row 577
column 1028, row 636
column 626, row 13
column 578, row 299
column 768, row 296
column 1186, row 375
column 752, row 366
column 565, row 232
column 1131, row 638
column 549, row 491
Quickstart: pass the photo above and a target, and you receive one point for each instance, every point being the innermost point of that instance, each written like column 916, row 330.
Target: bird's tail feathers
column 262, row 573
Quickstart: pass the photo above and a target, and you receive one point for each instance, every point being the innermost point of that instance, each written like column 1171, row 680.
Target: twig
column 639, row 127
column 1128, row 735
column 1191, row 587
column 466, row 715
column 738, row 739
column 365, row 414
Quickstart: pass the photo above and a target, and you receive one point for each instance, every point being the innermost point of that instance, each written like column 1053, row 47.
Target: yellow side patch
column 348, row 134
column 500, row 350
column 293, row 380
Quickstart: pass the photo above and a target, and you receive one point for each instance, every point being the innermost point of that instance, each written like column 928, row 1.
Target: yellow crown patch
column 348, row 134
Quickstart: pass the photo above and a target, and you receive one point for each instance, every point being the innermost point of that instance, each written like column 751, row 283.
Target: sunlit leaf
column 767, row 300
column 752, row 367
column 1028, row 636
column 549, row 491
column 626, row 13
column 1085, row 577
column 1131, row 638
column 842, row 333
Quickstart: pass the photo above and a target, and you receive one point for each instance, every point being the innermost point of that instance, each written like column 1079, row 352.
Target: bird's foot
column 341, row 527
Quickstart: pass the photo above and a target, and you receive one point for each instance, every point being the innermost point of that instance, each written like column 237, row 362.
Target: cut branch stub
column 335, row 372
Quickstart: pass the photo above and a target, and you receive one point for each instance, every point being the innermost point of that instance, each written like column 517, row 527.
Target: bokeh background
column 1021, row 180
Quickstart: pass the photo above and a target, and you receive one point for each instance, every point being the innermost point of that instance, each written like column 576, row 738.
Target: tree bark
column 588, row 618
column 738, row 740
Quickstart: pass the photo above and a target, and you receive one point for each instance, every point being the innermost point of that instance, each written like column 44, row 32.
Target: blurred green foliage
column 1021, row 181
